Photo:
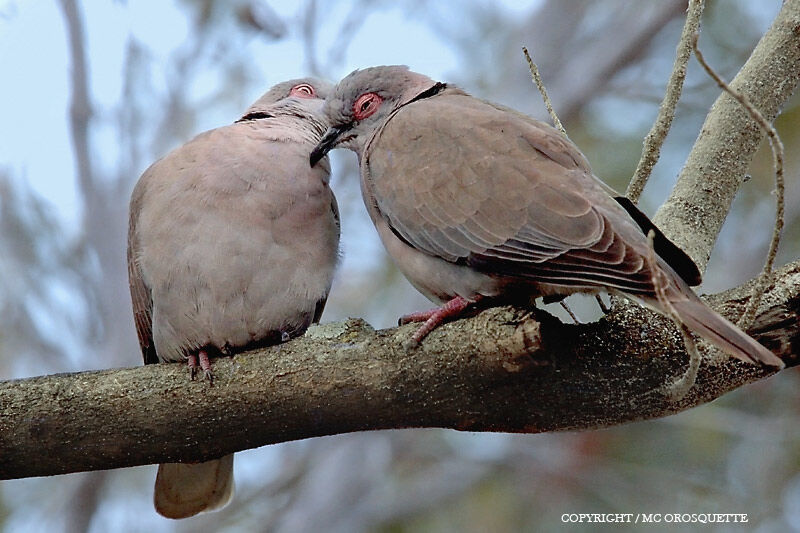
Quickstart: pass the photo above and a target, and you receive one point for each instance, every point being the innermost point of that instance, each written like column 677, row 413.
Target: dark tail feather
column 710, row 325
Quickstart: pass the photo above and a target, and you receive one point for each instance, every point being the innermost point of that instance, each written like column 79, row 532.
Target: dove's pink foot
column 434, row 317
column 202, row 360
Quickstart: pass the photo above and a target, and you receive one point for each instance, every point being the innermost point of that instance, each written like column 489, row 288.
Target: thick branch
column 694, row 213
column 499, row 371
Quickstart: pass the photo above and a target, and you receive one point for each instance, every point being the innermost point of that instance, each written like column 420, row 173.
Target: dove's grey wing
column 320, row 307
column 140, row 293
column 471, row 183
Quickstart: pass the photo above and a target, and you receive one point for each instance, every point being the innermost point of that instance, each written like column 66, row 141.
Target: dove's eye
column 303, row 90
column 365, row 105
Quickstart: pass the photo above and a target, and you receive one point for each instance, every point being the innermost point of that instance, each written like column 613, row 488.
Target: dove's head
column 302, row 98
column 363, row 100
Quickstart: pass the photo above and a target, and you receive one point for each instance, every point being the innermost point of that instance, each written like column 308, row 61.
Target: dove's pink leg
column 202, row 360
column 434, row 317
column 205, row 364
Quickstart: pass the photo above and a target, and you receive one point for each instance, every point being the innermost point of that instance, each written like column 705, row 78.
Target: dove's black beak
column 328, row 142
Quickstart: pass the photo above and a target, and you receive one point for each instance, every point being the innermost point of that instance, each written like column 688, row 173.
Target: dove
column 479, row 204
column 232, row 245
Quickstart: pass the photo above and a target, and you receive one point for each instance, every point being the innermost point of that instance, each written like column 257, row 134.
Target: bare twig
column 603, row 307
column 697, row 207
column 556, row 32
column 537, row 79
column 678, row 389
column 566, row 308
column 746, row 320
column 666, row 113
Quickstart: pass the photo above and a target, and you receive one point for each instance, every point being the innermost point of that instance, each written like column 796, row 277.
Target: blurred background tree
column 94, row 92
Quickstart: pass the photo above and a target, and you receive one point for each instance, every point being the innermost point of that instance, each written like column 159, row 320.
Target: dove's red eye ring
column 303, row 90
column 365, row 105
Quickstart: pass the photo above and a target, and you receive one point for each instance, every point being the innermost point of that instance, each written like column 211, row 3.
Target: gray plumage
column 475, row 201
column 232, row 244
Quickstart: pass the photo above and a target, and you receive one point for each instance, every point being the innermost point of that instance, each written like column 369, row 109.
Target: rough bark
column 715, row 169
column 503, row 370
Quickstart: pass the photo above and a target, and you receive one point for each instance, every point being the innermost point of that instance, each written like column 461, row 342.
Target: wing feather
column 469, row 182
column 140, row 293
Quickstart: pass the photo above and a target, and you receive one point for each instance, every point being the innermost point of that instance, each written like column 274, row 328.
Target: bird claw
column 205, row 364
column 432, row 319
column 410, row 344
column 191, row 364
column 419, row 316
column 202, row 361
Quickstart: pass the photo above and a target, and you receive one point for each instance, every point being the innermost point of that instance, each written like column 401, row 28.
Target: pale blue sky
column 34, row 136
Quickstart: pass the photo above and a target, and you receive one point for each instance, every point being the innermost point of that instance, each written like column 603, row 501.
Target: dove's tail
column 184, row 489
column 717, row 330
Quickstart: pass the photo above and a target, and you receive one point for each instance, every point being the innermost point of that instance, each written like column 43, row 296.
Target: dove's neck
column 287, row 122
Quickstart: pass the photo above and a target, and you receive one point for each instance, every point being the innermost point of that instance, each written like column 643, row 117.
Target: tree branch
column 695, row 211
column 654, row 140
column 502, row 370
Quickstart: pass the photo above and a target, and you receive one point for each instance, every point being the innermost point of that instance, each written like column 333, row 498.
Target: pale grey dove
column 475, row 201
column 232, row 244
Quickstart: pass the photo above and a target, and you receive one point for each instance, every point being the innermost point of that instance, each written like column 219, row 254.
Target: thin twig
column 651, row 148
column 746, row 320
column 678, row 389
column 603, row 307
column 681, row 386
column 537, row 79
column 569, row 312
